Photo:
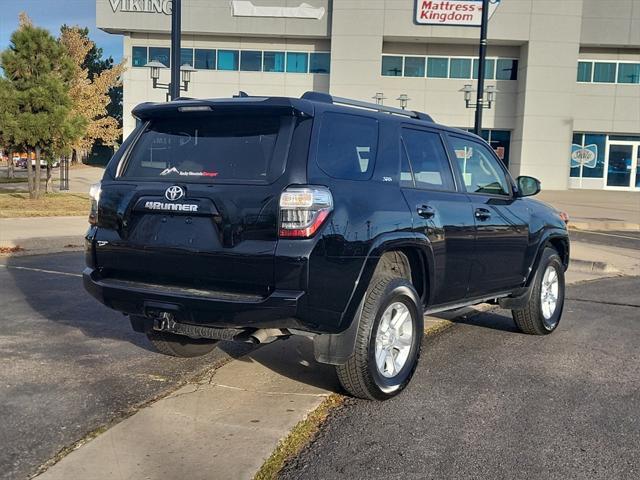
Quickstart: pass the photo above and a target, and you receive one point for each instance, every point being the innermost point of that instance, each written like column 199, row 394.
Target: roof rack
column 326, row 98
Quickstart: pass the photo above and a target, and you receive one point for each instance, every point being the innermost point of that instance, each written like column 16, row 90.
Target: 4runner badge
column 172, row 193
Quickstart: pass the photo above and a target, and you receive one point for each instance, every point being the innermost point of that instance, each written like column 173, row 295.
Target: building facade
column 566, row 72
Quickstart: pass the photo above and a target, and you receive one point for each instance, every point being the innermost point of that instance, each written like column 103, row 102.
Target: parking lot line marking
column 55, row 272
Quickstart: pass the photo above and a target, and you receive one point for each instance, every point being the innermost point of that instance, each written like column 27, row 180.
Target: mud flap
column 335, row 349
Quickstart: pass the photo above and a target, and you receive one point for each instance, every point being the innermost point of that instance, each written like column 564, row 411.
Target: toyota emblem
column 174, row 193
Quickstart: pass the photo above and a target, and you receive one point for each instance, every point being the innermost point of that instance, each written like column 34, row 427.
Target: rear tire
column 543, row 311
column 179, row 345
column 388, row 341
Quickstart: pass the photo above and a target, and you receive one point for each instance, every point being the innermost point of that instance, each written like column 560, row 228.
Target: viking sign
column 586, row 156
column 467, row 13
column 141, row 6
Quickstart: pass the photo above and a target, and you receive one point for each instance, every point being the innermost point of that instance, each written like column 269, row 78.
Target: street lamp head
column 404, row 100
column 154, row 69
column 185, row 71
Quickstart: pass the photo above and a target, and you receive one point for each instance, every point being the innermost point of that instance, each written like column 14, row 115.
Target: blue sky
column 51, row 14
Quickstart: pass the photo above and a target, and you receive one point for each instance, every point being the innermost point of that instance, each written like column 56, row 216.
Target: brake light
column 303, row 210
column 94, row 194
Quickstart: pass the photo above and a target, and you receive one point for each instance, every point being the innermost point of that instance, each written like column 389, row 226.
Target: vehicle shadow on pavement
column 491, row 320
column 291, row 358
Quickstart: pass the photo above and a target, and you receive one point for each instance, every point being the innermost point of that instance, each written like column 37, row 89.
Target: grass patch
column 19, row 204
column 13, row 180
column 301, row 435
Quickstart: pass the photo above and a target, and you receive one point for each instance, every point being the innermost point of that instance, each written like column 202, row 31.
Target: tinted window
column 480, row 170
column 392, row 66
column 319, row 63
column 489, row 69
column 208, row 148
column 250, row 61
column 273, row 62
column 186, row 56
column 460, row 68
column 604, row 72
column 297, row 62
column 428, row 160
column 629, row 73
column 584, row 71
column 437, row 67
column 347, row 146
column 139, row 57
column 414, row 66
column 205, row 59
column 160, row 54
column 506, row 69
column 227, row 60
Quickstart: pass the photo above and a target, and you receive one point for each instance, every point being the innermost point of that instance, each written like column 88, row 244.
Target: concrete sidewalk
column 597, row 209
column 42, row 234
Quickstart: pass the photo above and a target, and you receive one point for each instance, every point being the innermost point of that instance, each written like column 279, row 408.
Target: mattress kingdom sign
column 467, row 13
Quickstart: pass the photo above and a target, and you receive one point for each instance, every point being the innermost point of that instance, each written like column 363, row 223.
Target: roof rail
column 326, row 98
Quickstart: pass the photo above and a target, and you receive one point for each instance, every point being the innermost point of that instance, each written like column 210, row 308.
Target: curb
column 41, row 245
column 590, row 266
column 605, row 226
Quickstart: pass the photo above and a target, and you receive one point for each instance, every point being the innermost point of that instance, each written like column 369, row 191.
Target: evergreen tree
column 38, row 74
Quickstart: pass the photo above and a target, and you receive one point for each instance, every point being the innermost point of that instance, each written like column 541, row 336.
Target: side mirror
column 528, row 186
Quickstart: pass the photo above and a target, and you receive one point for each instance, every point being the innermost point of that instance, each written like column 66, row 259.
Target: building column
column 541, row 141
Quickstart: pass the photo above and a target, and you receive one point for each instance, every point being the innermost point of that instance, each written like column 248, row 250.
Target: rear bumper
column 199, row 307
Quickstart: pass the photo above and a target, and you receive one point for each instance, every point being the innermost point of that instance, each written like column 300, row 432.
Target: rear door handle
column 425, row 211
column 482, row 214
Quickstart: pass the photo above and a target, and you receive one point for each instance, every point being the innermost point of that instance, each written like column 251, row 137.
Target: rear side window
column 210, row 148
column 347, row 146
column 428, row 161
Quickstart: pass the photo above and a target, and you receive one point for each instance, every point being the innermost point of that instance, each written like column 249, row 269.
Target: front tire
column 179, row 345
column 541, row 315
column 388, row 341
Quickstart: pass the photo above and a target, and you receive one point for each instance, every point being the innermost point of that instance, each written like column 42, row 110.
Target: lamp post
column 176, row 30
column 404, row 100
column 490, row 90
column 182, row 84
column 477, row 128
column 379, row 98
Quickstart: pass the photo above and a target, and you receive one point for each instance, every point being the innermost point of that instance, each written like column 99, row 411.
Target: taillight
column 94, row 194
column 303, row 210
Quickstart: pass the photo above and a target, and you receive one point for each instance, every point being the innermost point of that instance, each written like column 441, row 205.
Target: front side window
column 480, row 170
column 347, row 146
column 160, row 54
column 209, row 148
column 428, row 160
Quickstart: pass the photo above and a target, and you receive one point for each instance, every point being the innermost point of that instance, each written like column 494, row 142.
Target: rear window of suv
column 347, row 146
column 211, row 148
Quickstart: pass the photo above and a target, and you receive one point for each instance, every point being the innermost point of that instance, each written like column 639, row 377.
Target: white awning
column 243, row 8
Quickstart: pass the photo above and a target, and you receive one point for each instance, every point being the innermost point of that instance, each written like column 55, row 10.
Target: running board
column 466, row 303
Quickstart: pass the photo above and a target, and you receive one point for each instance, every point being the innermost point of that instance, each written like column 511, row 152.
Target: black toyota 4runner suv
column 251, row 219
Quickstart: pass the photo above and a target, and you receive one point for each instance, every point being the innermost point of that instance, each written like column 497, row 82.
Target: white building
column 567, row 72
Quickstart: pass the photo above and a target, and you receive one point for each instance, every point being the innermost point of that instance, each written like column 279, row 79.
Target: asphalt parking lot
column 489, row 402
column 69, row 364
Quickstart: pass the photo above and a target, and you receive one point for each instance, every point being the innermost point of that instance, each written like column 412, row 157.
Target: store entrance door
column 623, row 166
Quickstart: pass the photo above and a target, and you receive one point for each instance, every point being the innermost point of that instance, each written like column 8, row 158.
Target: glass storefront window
column 578, row 139
column 460, row 68
column 273, row 62
column 186, row 56
column 437, row 67
column 490, row 68
column 205, row 59
column 414, row 66
column 584, row 71
column 297, row 62
column 601, row 142
column 160, row 54
column 228, row 60
column 506, row 69
column 629, row 73
column 604, row 72
column 139, row 56
column 250, row 61
column 319, row 63
column 391, row 66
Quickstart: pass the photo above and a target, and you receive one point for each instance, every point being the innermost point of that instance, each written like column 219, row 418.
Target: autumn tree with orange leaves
column 89, row 92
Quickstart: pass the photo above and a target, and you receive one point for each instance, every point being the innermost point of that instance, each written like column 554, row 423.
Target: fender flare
column 548, row 237
column 335, row 349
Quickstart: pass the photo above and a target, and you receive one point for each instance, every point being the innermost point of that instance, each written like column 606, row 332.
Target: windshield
column 210, row 148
